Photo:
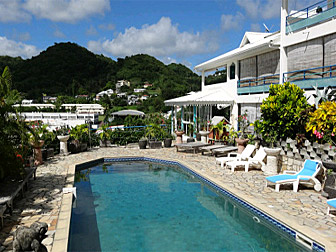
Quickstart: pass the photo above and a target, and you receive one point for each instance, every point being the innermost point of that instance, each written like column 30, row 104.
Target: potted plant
column 143, row 142
column 204, row 132
column 242, row 140
column 36, row 131
column 168, row 139
column 272, row 166
column 105, row 136
column 79, row 135
column 154, row 132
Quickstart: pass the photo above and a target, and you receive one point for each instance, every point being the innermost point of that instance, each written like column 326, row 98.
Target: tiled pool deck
column 304, row 211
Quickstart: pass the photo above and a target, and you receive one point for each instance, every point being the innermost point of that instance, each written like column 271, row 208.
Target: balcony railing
column 257, row 85
column 311, row 15
column 307, row 78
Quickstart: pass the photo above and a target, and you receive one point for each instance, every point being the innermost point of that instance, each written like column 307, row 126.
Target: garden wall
column 292, row 157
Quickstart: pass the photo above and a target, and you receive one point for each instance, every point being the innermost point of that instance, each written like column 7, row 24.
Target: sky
column 174, row 31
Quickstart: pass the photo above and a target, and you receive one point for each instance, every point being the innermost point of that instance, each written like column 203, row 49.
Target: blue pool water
column 141, row 206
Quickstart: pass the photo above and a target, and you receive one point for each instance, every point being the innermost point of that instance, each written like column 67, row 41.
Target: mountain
column 69, row 69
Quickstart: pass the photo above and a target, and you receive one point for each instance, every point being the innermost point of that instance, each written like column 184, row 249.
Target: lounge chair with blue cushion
column 331, row 203
column 307, row 174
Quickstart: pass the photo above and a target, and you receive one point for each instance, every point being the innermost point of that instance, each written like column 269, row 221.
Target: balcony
column 314, row 14
column 307, row 78
column 256, row 85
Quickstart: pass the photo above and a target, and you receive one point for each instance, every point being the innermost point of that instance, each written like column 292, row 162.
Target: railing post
column 304, row 74
column 330, row 66
column 307, row 12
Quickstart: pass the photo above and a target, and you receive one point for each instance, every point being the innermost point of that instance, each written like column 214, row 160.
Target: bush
column 322, row 123
column 281, row 112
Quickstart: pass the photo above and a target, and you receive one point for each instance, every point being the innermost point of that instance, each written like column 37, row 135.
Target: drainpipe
column 182, row 125
column 203, row 80
column 172, row 120
column 195, row 121
column 283, row 54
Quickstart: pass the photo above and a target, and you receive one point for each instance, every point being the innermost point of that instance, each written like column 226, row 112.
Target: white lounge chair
column 247, row 152
column 307, row 174
column 331, row 203
column 256, row 161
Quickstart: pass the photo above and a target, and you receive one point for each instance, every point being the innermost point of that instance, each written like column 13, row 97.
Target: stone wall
column 292, row 157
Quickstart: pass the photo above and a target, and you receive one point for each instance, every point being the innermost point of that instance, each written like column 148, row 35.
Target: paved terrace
column 304, row 211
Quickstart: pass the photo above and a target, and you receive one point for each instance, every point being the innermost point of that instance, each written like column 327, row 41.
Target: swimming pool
column 146, row 206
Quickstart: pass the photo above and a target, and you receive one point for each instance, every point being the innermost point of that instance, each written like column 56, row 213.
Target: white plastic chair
column 247, row 152
column 257, row 160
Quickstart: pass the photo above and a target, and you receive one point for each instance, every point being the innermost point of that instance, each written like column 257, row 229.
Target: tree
column 13, row 137
column 281, row 111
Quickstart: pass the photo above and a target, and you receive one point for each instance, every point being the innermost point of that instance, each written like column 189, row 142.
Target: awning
column 128, row 112
column 207, row 97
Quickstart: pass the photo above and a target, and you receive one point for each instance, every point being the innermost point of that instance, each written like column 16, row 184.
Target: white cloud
column 167, row 60
column 66, row 10
column 160, row 39
column 232, row 22
column 107, row 27
column 266, row 9
column 91, row 31
column 14, row 49
column 21, row 36
column 255, row 27
column 11, row 11
column 58, row 33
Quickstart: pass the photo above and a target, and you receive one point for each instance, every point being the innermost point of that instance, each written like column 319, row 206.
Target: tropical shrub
column 281, row 111
column 13, row 137
column 322, row 123
column 80, row 133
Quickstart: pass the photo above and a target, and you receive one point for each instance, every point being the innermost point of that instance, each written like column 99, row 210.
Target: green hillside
column 69, row 69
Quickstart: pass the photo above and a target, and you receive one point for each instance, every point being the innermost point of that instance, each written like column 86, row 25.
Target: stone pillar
column 63, row 144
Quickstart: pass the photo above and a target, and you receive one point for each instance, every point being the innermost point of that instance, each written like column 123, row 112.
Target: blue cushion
column 277, row 178
column 332, row 203
column 309, row 168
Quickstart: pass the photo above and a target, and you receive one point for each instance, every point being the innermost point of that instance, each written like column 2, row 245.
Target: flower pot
column 63, row 144
column 241, row 143
column 37, row 152
column 104, row 143
column 74, row 146
column 142, row 144
column 167, row 142
column 155, row 144
column 179, row 136
column 329, row 165
column 272, row 166
column 204, row 136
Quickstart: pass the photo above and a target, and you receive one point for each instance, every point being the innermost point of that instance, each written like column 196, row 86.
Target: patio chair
column 256, row 161
column 331, row 203
column 247, row 152
column 307, row 174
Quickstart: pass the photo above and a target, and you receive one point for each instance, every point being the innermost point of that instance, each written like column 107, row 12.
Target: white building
column 56, row 120
column 121, row 83
column 36, row 105
column 132, row 99
column 302, row 52
column 85, row 108
column 139, row 90
column 144, row 97
column 120, row 95
column 26, row 102
column 107, row 92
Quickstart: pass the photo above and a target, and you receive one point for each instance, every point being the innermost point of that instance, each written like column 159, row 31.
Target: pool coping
column 60, row 243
